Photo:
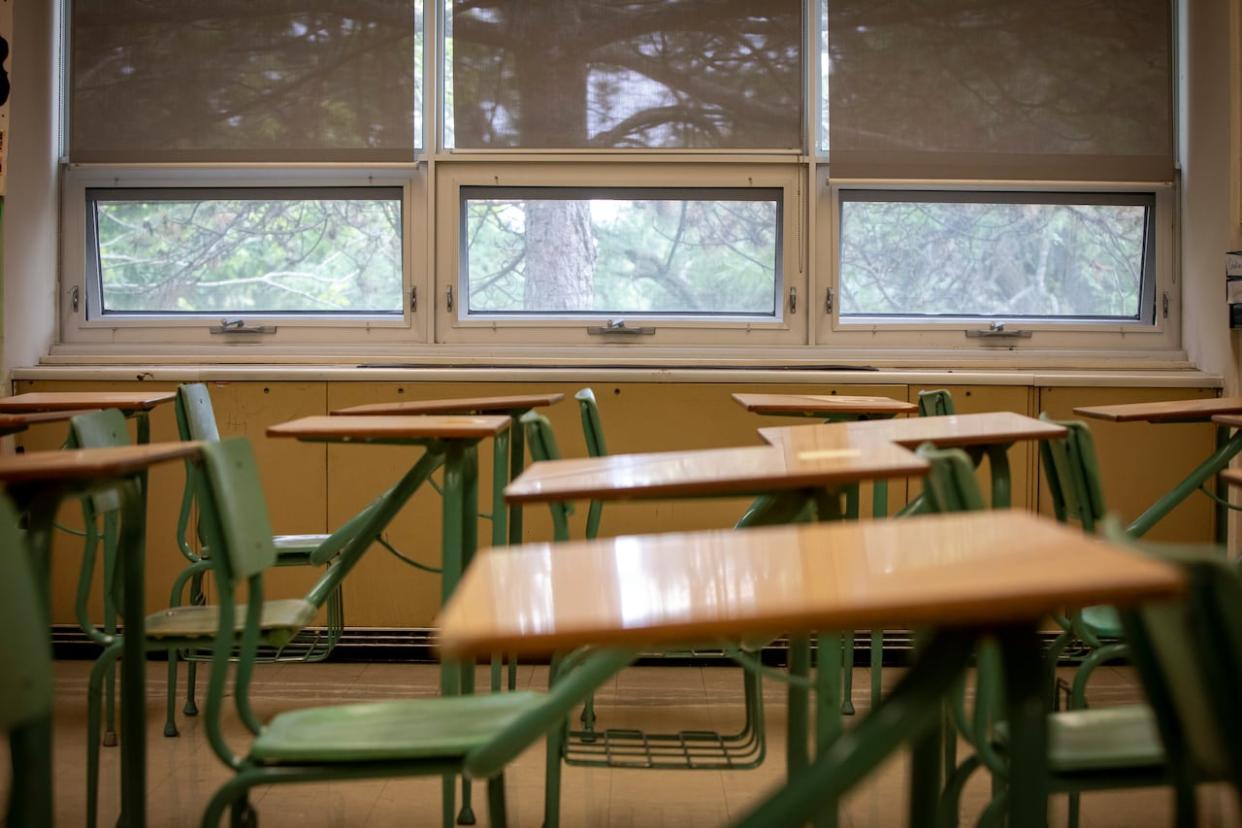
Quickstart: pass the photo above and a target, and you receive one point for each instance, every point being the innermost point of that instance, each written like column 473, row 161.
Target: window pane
column 907, row 257
column 698, row 252
column 247, row 255
column 618, row 73
column 257, row 81
column 1053, row 90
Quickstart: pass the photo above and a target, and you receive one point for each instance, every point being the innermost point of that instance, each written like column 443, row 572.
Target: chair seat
column 1103, row 621
column 288, row 615
column 1108, row 738
column 432, row 728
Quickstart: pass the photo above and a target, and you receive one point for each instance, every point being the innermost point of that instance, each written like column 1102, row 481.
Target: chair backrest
column 101, row 429
column 541, row 442
column 1073, row 474
column 950, row 485
column 26, row 679
column 938, row 403
column 1189, row 656
column 592, row 428
column 238, row 507
column 196, row 419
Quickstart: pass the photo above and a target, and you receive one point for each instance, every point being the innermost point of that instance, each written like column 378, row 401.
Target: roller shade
column 242, row 80
column 1008, row 89
column 573, row 74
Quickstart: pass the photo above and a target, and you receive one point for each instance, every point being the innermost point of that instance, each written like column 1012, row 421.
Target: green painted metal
column 474, row 735
column 593, row 433
column 25, row 682
column 903, row 715
column 950, row 485
column 1205, row 471
column 937, row 403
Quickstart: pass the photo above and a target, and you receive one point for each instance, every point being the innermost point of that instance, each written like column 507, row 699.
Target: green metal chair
column 25, row 681
column 1073, row 474
column 938, row 403
column 593, row 432
column 193, row 625
column 1189, row 657
column 1088, row 749
column 100, row 512
column 471, row 735
column 196, row 420
column 635, row 748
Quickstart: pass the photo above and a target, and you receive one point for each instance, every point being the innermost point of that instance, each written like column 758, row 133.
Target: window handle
column 239, row 326
column 617, row 327
column 997, row 330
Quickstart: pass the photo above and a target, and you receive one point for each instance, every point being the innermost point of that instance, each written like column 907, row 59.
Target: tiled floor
column 184, row 772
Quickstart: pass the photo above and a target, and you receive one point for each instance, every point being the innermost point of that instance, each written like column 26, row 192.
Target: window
column 646, row 252
column 244, row 252
column 614, row 74
column 331, row 81
column 750, row 179
column 997, row 256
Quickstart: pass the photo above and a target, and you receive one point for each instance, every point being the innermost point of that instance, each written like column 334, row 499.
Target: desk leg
column 500, row 525
column 1222, row 492
column 998, row 461
column 451, row 546
column 1026, row 698
column 827, row 719
column 797, row 753
column 30, row 801
column 469, row 544
column 912, row 707
column 879, row 510
column 517, row 461
column 1203, row 472
column 133, row 658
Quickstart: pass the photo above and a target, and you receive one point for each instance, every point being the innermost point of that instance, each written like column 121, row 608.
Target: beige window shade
column 1010, row 89
column 625, row 74
column 242, row 80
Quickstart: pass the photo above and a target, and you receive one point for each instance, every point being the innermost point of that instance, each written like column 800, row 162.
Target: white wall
column 1207, row 227
column 30, row 204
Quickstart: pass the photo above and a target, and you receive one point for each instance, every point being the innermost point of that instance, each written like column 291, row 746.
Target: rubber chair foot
column 466, row 817
column 190, row 709
column 847, row 708
column 170, row 730
column 109, row 739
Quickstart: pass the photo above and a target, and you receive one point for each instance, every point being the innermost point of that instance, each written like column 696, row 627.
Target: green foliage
column 963, row 259
column 658, row 256
column 247, row 256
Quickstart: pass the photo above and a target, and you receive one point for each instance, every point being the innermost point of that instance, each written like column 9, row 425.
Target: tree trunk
column 560, row 256
column 552, row 83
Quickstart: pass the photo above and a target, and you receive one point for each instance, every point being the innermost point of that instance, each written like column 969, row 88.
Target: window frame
column 454, row 327
column 1161, row 332
column 86, row 325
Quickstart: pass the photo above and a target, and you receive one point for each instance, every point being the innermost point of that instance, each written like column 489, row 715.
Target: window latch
column 75, row 298
column 997, row 330
column 828, row 297
column 617, row 327
column 239, row 326
column 793, row 300
column 448, row 297
column 413, row 299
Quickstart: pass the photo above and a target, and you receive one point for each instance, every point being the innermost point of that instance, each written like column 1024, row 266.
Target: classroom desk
column 988, row 434
column 451, row 442
column 1181, row 411
column 38, row 482
column 828, row 407
column 800, row 478
column 15, row 423
column 136, row 404
column 513, row 407
column 838, row 408
column 965, row 575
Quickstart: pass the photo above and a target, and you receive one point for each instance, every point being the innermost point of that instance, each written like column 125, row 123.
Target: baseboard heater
column 418, row 645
